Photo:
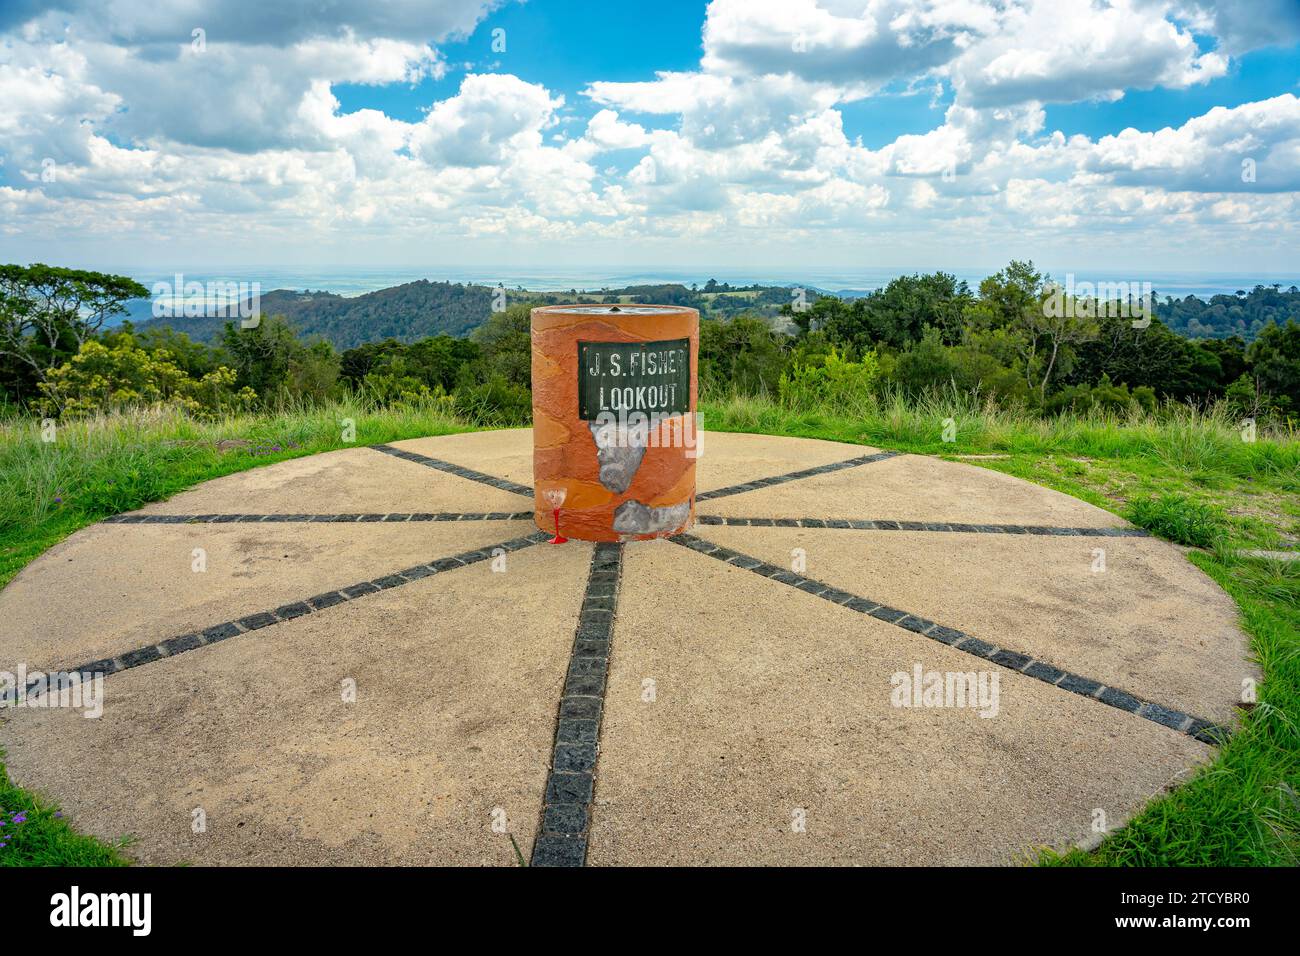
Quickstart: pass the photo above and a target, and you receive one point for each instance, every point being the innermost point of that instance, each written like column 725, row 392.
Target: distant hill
column 406, row 312
column 420, row 309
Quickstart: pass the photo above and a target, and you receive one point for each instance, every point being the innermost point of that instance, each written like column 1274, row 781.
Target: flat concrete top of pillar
column 613, row 309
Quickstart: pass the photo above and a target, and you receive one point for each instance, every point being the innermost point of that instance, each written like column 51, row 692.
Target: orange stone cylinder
column 614, row 434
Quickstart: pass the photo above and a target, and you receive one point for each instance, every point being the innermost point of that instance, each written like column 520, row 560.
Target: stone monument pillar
column 614, row 432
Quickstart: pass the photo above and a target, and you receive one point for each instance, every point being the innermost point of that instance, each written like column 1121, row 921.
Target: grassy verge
column 107, row 465
column 1184, row 475
column 103, row 466
column 35, row 834
column 1244, row 809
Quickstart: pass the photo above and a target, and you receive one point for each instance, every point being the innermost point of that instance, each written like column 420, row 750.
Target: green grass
column 1243, row 809
column 1251, row 488
column 1187, row 476
column 1180, row 519
column 110, row 464
column 34, row 834
column 106, row 465
column 1184, row 474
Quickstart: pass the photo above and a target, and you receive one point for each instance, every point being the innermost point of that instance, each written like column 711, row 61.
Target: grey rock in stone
column 632, row 517
column 619, row 451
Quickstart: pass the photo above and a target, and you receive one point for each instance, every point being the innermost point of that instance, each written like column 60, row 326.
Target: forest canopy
column 1014, row 340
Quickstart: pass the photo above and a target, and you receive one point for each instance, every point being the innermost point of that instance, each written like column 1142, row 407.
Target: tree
column 48, row 313
column 441, row 357
column 1231, row 353
column 506, row 342
column 195, row 358
column 900, row 312
column 1005, row 295
column 923, row 366
column 1052, row 325
column 742, row 355
column 313, row 371
column 1052, row 340
column 356, row 363
column 261, row 354
column 272, row 361
column 1275, row 360
column 1151, row 356
column 894, row 316
column 1244, row 314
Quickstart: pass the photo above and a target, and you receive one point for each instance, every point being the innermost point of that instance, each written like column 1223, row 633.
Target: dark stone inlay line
column 566, row 807
column 1202, row 730
column 457, row 470
column 287, row 612
column 397, row 516
column 794, row 476
column 881, row 524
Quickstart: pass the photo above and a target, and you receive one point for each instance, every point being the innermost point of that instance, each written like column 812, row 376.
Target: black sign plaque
column 619, row 378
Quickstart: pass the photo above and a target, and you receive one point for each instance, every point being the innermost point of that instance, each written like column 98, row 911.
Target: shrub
column 1145, row 396
column 924, row 366
column 100, row 378
column 974, row 370
column 1111, row 398
column 1242, row 395
column 495, row 402
column 741, row 356
column 1275, row 357
column 829, row 380
column 389, row 387
column 1074, row 399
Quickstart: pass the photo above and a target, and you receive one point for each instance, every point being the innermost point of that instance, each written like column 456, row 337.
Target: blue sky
column 1257, row 75
column 775, row 134
column 568, row 44
column 564, row 45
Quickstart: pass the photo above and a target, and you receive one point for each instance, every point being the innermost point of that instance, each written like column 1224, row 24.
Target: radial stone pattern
column 409, row 675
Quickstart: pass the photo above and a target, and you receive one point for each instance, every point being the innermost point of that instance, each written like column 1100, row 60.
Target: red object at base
column 559, row 538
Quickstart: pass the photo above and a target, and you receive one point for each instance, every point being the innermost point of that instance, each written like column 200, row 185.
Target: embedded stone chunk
column 619, row 451
column 632, row 517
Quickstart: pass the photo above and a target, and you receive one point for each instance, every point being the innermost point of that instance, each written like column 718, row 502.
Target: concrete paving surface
column 854, row 657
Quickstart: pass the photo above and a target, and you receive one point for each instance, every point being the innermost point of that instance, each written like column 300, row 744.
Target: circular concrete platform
column 370, row 656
